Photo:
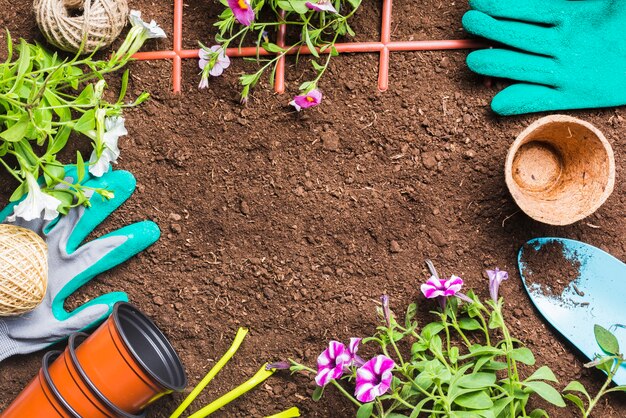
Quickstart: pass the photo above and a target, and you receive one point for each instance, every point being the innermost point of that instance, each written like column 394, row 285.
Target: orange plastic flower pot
column 130, row 361
column 78, row 375
column 41, row 397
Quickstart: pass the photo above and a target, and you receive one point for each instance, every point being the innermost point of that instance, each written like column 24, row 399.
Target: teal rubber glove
column 567, row 54
column 71, row 265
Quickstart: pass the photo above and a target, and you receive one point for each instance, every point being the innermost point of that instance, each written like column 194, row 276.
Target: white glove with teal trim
column 71, row 265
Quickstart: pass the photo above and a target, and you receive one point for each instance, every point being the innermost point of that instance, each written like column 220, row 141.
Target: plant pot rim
column 174, row 364
column 74, row 358
column 521, row 139
column 45, row 363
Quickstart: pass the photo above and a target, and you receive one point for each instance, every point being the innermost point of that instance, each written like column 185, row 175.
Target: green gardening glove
column 567, row 54
column 73, row 262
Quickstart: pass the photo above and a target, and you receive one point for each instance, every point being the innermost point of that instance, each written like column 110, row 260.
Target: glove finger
column 519, row 99
column 519, row 35
column 536, row 11
column 92, row 313
column 81, row 222
column 504, row 63
column 106, row 252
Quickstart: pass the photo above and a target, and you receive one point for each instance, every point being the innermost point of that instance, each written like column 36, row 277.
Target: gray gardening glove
column 71, row 265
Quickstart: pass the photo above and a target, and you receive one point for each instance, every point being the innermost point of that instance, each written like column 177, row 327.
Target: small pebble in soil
column 176, row 228
column 244, row 208
column 394, row 247
column 174, row 217
column 158, row 300
column 330, row 141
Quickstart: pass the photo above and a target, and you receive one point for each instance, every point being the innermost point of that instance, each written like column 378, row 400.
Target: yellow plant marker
column 289, row 413
column 241, row 334
column 257, row 379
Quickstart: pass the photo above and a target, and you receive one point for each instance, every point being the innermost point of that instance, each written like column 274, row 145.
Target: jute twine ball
column 70, row 24
column 23, row 270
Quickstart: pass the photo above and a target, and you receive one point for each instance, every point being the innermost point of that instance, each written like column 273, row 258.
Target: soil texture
column 295, row 224
column 550, row 268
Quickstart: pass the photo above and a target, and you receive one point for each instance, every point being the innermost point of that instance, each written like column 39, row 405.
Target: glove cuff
column 8, row 346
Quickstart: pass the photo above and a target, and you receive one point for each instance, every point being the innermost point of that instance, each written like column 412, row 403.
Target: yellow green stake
column 241, row 334
column 257, row 379
column 289, row 413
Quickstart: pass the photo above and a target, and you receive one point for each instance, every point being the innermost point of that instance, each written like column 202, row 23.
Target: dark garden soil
column 294, row 225
column 550, row 268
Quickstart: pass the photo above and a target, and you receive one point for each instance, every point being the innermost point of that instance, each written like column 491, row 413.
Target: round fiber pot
column 560, row 170
column 41, row 397
column 130, row 361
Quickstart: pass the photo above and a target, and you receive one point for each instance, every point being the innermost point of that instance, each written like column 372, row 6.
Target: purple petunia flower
column 335, row 360
column 321, row 6
column 496, row 277
column 311, row 99
column 221, row 61
column 442, row 289
column 435, row 287
column 242, row 10
column 373, row 379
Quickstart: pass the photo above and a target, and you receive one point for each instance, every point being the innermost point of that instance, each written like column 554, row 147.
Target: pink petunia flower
column 321, row 6
column 435, row 287
column 496, row 277
column 333, row 361
column 442, row 289
column 311, row 99
column 373, row 379
column 242, row 10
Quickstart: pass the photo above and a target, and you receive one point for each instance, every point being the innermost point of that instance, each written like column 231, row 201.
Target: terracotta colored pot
column 41, row 397
column 79, row 375
column 130, row 361
column 560, row 170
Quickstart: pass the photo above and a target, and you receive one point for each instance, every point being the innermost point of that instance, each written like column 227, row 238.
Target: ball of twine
column 84, row 25
column 23, row 270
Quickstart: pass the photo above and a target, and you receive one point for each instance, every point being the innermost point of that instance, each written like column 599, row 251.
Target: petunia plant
column 46, row 101
column 463, row 364
column 317, row 23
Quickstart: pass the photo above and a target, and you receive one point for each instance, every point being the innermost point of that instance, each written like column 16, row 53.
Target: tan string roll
column 70, row 24
column 23, row 270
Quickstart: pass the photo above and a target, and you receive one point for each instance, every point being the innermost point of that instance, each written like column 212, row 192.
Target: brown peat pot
column 41, row 398
column 130, row 361
column 560, row 170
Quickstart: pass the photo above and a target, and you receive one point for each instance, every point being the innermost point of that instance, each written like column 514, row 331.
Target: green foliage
column 44, row 99
column 318, row 32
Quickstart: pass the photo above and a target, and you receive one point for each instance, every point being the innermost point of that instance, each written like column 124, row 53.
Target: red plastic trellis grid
column 385, row 46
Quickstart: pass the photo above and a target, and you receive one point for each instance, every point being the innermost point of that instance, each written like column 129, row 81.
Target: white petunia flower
column 35, row 202
column 114, row 128
column 151, row 30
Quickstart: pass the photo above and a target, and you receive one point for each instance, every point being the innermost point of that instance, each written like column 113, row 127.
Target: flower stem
column 345, row 393
column 241, row 334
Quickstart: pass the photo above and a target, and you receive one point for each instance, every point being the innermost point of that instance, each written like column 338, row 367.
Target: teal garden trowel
column 597, row 296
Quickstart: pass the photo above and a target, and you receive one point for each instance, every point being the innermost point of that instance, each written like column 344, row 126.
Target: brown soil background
column 308, row 254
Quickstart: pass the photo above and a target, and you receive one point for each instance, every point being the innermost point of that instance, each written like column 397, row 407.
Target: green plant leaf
column 55, row 172
column 543, row 373
column 606, row 340
column 477, row 380
column 523, row 355
column 17, row 131
column 271, row 47
column 469, row 324
column 546, row 391
column 576, row 386
column 21, row 190
column 431, row 329
column 355, row 3
column 365, row 411
column 80, row 167
column 317, row 393
column 539, row 413
column 87, row 122
column 474, row 400
column 575, row 399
